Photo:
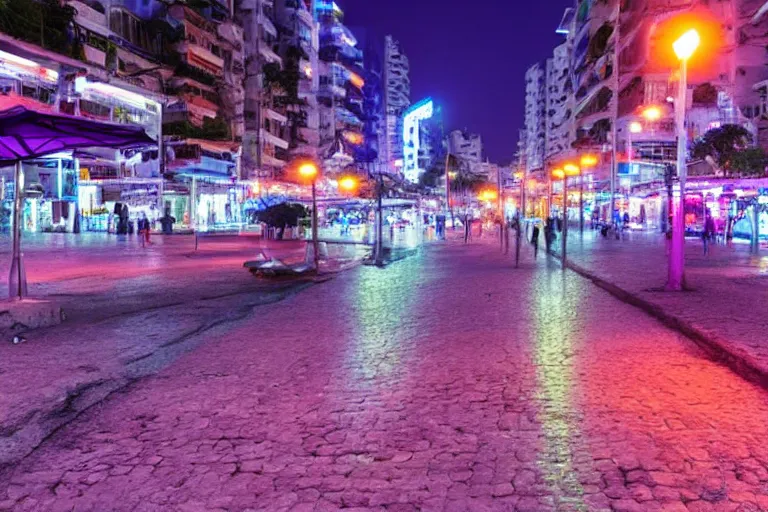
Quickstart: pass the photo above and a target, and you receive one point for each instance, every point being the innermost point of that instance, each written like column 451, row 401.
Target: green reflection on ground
column 555, row 321
column 383, row 300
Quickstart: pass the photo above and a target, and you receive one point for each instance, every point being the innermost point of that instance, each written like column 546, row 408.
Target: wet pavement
column 726, row 286
column 447, row 381
column 131, row 311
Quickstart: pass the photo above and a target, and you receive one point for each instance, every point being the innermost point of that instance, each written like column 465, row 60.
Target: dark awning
column 26, row 134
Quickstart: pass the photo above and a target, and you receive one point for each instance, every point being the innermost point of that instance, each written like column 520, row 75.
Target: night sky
column 470, row 56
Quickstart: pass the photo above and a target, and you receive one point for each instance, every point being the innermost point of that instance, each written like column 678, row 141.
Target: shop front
column 50, row 186
column 103, row 202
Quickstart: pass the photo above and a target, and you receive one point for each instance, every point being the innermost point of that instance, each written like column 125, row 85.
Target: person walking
column 549, row 234
column 709, row 232
column 535, row 241
column 143, row 228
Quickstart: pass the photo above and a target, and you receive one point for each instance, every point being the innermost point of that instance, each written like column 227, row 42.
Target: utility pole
column 379, row 248
column 500, row 208
column 615, row 108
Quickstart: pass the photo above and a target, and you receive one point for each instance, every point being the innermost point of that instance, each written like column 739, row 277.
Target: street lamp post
column 310, row 171
column 586, row 161
column 559, row 174
column 568, row 170
column 684, row 48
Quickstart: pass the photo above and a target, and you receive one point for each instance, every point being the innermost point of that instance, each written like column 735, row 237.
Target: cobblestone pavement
column 448, row 381
column 727, row 286
column 131, row 312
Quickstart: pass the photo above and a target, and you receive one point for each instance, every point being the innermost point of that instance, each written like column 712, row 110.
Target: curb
column 716, row 348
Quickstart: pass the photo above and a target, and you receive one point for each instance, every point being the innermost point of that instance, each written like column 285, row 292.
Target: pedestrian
column 709, row 231
column 167, row 222
column 467, row 228
column 549, row 234
column 143, row 228
column 535, row 241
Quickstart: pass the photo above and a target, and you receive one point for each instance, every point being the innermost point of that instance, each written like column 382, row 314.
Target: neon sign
column 412, row 119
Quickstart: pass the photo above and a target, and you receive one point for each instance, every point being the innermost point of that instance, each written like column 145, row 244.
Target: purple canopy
column 26, row 134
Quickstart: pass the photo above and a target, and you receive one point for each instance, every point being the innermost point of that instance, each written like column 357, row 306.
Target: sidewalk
column 131, row 311
column 723, row 311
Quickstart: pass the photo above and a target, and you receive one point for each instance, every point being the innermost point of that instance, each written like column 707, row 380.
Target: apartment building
column 341, row 89
column 535, row 116
column 265, row 142
column 467, row 148
column 299, row 47
column 397, row 98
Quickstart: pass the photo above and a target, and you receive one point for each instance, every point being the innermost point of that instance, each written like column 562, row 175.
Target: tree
column 722, row 145
column 283, row 215
column 750, row 162
column 432, row 175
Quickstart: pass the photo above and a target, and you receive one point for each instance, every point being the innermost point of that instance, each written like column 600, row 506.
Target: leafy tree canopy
column 722, row 145
column 283, row 215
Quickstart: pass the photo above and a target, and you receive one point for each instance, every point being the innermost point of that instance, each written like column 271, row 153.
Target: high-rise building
column 559, row 128
column 341, row 90
column 299, row 48
column 265, row 142
column 535, row 116
column 423, row 137
column 467, row 149
column 397, row 98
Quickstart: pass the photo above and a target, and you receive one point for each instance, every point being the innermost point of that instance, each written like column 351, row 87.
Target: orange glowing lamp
column 571, row 170
column 652, row 114
column 588, row 161
column 488, row 195
column 558, row 174
column 309, row 171
column 687, row 44
column 348, row 184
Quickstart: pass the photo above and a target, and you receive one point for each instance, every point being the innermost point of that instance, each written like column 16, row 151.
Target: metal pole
column 314, row 228
column 581, row 202
column 449, row 208
column 676, row 279
column 755, row 229
column 501, row 210
column 521, row 215
column 380, row 222
column 17, row 280
column 615, row 110
column 565, row 221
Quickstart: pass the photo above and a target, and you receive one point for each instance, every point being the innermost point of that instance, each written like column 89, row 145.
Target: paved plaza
column 447, row 381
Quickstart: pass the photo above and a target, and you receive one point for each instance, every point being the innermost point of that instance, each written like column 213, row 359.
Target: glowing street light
column 684, row 48
column 348, row 184
column 588, row 160
column 488, row 195
column 687, row 44
column 309, row 171
column 651, row 114
column 571, row 169
column 635, row 127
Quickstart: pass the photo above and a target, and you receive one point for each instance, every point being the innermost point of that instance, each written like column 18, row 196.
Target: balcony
column 95, row 56
column 188, row 111
column 93, row 18
column 267, row 24
column 267, row 52
column 274, row 140
column 202, row 58
column 275, row 116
